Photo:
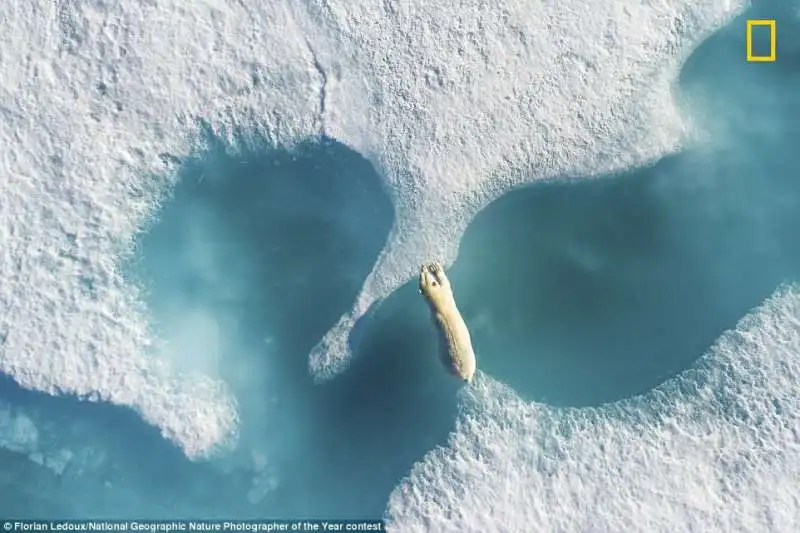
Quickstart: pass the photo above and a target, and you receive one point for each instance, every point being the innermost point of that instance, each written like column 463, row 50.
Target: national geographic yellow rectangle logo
column 772, row 40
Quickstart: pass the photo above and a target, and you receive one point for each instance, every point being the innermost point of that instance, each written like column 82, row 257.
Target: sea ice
column 715, row 449
column 453, row 103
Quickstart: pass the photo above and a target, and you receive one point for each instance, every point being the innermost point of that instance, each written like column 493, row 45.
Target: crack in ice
column 323, row 84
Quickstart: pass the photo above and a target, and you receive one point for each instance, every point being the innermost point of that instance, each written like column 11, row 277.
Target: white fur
column 456, row 345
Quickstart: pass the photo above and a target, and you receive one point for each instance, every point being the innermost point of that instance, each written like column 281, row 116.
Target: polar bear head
column 435, row 287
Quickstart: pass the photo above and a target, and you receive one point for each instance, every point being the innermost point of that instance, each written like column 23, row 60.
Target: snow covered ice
column 477, row 99
column 142, row 268
column 713, row 450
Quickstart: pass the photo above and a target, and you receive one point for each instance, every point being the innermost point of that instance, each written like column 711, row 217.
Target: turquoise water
column 576, row 294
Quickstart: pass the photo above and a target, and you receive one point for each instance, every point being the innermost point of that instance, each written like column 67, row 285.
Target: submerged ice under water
column 577, row 294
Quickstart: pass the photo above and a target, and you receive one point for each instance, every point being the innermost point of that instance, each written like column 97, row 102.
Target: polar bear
column 455, row 347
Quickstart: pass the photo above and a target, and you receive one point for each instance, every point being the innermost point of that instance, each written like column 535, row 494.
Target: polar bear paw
column 433, row 283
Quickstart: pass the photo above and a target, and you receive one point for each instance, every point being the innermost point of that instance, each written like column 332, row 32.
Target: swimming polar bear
column 455, row 347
